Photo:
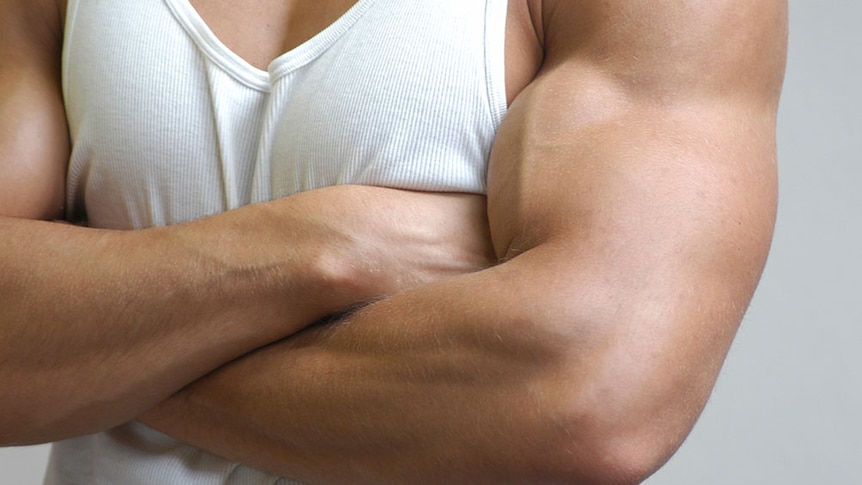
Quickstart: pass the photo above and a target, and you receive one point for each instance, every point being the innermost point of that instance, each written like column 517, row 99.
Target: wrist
column 273, row 264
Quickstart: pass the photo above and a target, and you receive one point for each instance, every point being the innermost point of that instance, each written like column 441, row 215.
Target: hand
column 382, row 241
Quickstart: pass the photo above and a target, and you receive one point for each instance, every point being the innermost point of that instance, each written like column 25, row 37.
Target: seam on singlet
column 214, row 49
column 495, row 59
column 320, row 43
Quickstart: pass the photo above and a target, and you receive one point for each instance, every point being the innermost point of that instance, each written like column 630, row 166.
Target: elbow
column 610, row 461
column 585, row 455
column 607, row 421
column 615, row 405
column 606, row 434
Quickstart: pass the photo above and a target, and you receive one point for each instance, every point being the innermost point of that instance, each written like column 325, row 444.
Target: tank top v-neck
column 169, row 125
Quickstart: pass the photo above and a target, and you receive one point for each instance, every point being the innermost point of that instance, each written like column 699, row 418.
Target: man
column 630, row 206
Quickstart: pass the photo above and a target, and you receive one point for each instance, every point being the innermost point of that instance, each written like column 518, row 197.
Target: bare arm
column 34, row 139
column 632, row 198
column 96, row 326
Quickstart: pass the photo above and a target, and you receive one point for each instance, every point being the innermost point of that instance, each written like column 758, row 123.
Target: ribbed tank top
column 169, row 125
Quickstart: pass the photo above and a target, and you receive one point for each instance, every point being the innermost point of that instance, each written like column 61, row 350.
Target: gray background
column 788, row 406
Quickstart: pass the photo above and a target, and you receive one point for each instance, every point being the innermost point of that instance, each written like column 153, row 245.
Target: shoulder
column 658, row 44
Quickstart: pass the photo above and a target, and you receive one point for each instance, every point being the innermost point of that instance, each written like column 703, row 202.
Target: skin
column 98, row 326
column 631, row 203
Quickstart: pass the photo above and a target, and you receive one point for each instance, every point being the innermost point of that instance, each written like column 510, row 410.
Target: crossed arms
column 631, row 202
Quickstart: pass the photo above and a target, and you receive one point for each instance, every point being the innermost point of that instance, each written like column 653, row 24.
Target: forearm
column 475, row 380
column 99, row 325
column 383, row 397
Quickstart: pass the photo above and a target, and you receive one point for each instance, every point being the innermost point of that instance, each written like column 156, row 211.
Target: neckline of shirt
column 245, row 72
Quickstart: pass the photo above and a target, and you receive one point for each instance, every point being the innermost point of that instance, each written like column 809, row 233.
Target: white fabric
column 168, row 125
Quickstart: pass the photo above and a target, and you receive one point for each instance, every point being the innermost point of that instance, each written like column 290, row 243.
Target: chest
column 170, row 123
